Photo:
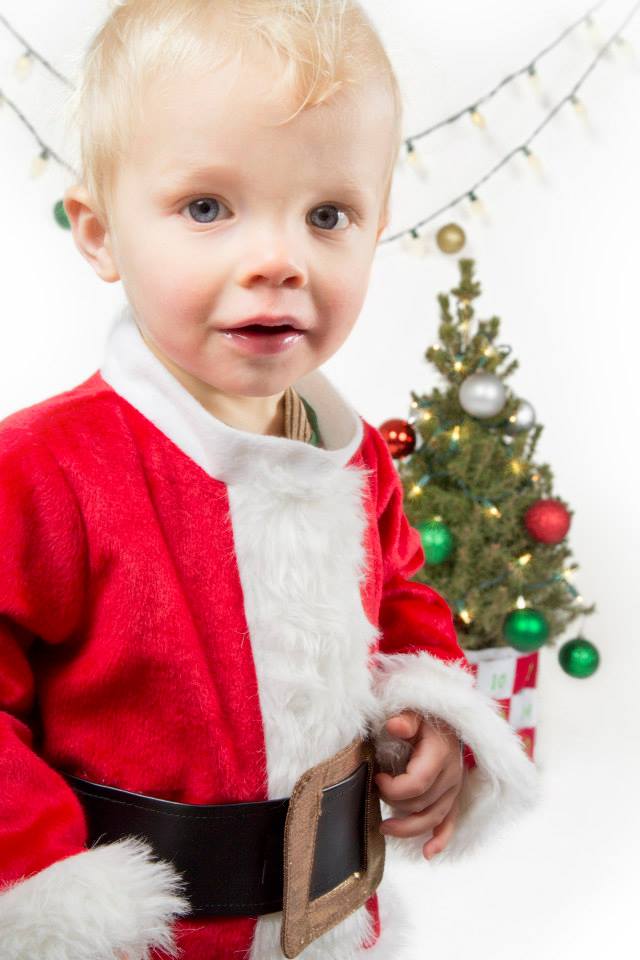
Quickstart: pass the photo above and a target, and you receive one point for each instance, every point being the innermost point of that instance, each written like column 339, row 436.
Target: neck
column 255, row 414
column 263, row 415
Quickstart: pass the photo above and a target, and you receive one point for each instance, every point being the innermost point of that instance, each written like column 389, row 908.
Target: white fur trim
column 298, row 520
column 343, row 942
column 224, row 452
column 109, row 901
column 396, row 926
column 499, row 790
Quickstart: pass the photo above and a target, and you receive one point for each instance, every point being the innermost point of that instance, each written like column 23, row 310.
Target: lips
column 256, row 339
column 260, row 328
column 265, row 322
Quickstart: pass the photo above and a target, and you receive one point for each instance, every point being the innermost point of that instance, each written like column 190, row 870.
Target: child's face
column 291, row 226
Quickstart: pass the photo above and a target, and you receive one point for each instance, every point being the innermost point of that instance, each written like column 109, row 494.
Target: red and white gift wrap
column 510, row 677
column 200, row 613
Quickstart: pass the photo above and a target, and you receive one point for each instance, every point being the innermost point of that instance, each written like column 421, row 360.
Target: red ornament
column 547, row 521
column 400, row 437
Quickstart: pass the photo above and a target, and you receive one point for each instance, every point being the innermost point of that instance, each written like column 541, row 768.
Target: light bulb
column 24, row 64
column 414, row 243
column 578, row 105
column 626, row 47
column 39, row 164
column 477, row 205
column 416, row 163
column 534, row 160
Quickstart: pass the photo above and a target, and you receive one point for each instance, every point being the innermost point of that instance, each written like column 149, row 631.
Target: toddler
column 204, row 561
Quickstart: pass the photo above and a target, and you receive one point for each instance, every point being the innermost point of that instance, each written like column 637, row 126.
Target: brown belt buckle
column 304, row 920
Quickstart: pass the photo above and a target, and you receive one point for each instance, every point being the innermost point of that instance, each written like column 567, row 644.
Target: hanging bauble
column 437, row 541
column 399, row 435
column 450, row 238
column 579, row 657
column 482, row 395
column 547, row 520
column 526, row 629
column 523, row 419
column 60, row 215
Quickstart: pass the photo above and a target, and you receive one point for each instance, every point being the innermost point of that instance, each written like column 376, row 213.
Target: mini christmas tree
column 492, row 531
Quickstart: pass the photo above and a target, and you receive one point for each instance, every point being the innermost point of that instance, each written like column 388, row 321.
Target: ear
column 91, row 238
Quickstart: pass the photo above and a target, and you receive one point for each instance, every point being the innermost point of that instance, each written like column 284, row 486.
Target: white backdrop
column 558, row 264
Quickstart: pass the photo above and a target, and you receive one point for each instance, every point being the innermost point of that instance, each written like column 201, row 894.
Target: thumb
column 404, row 724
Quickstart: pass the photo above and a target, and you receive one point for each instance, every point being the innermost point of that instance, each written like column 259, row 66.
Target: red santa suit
column 199, row 613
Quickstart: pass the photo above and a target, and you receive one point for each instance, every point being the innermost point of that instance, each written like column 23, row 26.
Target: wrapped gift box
column 510, row 678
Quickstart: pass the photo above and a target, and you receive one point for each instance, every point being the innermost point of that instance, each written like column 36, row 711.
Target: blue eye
column 329, row 216
column 203, row 209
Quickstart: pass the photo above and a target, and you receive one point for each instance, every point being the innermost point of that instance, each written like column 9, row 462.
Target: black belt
column 231, row 854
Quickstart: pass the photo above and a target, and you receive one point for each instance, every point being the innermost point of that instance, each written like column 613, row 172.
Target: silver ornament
column 482, row 395
column 523, row 419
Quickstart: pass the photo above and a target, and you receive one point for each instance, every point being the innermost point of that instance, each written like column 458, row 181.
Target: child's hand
column 428, row 791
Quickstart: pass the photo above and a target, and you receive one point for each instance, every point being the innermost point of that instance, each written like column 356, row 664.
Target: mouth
column 264, row 328
column 256, row 338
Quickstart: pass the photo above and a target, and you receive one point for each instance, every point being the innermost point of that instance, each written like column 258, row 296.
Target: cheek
column 166, row 280
column 345, row 294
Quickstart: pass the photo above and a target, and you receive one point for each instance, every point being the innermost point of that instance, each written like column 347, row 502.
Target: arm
column 58, row 899
column 420, row 666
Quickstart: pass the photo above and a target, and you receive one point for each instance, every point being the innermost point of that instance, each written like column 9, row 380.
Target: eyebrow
column 195, row 173
column 184, row 179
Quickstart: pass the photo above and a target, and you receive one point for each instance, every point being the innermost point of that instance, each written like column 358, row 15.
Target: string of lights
column 24, row 63
column 420, row 411
column 46, row 151
column 411, row 235
column 476, row 204
column 529, row 68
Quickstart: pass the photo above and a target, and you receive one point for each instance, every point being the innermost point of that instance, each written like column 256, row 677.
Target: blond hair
column 324, row 45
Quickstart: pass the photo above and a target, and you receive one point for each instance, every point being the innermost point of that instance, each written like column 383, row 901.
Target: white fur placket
column 298, row 520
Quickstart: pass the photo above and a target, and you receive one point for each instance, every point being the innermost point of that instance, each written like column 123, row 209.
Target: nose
column 272, row 262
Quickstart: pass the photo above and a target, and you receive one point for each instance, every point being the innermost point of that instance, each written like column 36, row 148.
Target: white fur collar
column 224, row 452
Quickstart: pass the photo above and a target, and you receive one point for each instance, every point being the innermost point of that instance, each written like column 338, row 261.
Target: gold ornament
column 450, row 238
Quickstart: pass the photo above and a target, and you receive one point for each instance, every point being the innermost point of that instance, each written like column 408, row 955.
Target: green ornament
column 437, row 540
column 579, row 657
column 60, row 214
column 526, row 629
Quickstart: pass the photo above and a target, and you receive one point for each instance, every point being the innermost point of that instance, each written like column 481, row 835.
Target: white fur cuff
column 499, row 790
column 102, row 903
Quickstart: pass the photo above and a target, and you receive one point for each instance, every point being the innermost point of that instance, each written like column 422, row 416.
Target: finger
column 423, row 769
column 405, row 724
column 417, row 823
column 443, row 832
column 449, row 777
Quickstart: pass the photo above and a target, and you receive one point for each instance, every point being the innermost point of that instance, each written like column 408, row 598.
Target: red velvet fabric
column 119, row 629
